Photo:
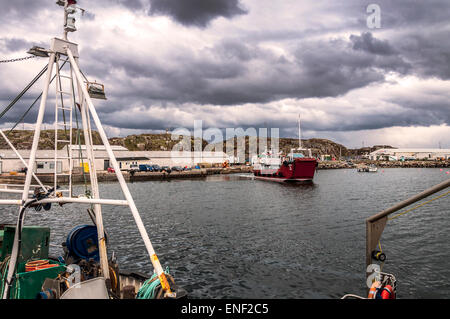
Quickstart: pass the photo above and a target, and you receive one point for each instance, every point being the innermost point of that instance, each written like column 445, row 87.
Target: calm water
column 229, row 237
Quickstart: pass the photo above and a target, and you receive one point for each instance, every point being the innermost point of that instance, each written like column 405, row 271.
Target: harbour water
column 231, row 237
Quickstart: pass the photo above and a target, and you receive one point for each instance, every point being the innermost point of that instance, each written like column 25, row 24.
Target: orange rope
column 38, row 265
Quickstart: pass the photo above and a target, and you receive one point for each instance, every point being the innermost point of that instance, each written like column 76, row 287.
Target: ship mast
column 62, row 49
column 299, row 134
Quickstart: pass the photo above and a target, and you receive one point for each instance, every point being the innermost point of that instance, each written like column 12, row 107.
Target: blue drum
column 82, row 242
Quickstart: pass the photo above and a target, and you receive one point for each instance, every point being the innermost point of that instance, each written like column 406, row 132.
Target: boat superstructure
column 367, row 168
column 84, row 271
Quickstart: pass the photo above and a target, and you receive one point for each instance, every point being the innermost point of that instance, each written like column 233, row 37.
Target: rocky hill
column 317, row 146
column 23, row 139
column 150, row 142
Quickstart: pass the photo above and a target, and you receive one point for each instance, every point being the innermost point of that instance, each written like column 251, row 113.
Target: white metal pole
column 123, row 184
column 57, row 87
column 10, row 202
column 31, row 163
column 21, row 159
column 93, row 176
column 63, row 200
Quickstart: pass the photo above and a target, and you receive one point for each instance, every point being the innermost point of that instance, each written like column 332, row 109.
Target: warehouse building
column 399, row 154
column 45, row 159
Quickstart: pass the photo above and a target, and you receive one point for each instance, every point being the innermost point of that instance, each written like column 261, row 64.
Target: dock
column 104, row 176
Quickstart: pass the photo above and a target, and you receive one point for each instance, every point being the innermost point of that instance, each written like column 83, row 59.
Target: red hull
column 301, row 170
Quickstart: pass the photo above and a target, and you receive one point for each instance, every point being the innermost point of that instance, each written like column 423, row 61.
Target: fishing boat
column 294, row 167
column 83, row 269
column 297, row 166
column 367, row 169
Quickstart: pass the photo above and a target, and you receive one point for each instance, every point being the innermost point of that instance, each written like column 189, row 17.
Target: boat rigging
column 86, row 248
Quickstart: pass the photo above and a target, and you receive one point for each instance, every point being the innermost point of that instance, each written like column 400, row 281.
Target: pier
column 104, row 176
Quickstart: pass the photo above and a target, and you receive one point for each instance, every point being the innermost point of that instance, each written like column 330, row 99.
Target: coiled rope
column 38, row 265
column 149, row 288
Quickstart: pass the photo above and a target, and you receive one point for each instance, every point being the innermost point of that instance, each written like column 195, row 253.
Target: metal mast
column 69, row 51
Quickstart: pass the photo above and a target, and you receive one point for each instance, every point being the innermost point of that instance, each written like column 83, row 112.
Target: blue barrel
column 82, row 242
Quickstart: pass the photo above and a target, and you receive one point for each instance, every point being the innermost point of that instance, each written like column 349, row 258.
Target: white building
column 410, row 154
column 45, row 159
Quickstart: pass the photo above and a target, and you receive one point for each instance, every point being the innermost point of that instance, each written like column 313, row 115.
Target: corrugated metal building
column 410, row 153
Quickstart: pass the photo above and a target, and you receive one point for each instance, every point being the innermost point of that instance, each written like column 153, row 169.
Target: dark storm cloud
column 19, row 9
column 405, row 13
column 366, row 42
column 232, row 73
column 241, row 68
column 429, row 52
column 16, row 44
column 196, row 12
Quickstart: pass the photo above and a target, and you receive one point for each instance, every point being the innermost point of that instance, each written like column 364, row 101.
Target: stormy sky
column 249, row 63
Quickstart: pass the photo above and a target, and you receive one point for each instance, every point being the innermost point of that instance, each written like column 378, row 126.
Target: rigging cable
column 28, row 110
column 420, row 205
column 23, row 91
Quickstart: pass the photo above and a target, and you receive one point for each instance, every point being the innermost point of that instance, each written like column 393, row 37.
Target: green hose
column 148, row 289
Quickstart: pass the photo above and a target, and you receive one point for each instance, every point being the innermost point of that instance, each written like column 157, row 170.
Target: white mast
column 69, row 50
column 299, row 134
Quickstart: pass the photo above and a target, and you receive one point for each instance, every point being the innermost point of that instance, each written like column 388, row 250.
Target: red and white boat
column 294, row 167
column 298, row 166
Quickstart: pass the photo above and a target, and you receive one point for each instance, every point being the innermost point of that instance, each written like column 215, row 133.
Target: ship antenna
column 70, row 9
column 299, row 134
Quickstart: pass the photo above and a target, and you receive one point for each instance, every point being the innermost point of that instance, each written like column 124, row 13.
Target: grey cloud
column 429, row 52
column 16, row 44
column 131, row 4
column 223, row 75
column 196, row 12
column 366, row 42
column 18, row 9
column 240, row 69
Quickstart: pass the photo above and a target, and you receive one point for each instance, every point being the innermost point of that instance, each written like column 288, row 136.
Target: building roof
column 410, row 150
column 120, row 152
column 133, row 158
column 97, row 147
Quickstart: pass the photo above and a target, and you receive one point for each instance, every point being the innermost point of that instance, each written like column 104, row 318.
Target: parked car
column 145, row 168
column 134, row 168
column 111, row 170
column 177, row 168
column 166, row 169
column 156, row 168
column 187, row 168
